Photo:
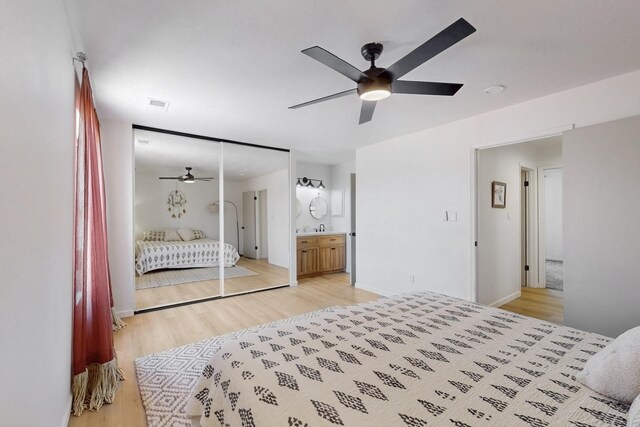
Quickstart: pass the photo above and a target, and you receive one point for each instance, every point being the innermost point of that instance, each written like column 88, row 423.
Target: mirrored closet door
column 256, row 193
column 175, row 233
column 211, row 219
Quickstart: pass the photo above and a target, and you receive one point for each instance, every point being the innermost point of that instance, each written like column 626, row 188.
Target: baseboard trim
column 375, row 291
column 67, row 415
column 125, row 313
column 508, row 298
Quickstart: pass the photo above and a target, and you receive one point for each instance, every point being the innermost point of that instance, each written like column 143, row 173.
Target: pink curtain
column 95, row 368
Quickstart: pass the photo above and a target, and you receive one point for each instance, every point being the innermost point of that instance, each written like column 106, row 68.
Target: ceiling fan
column 187, row 178
column 376, row 83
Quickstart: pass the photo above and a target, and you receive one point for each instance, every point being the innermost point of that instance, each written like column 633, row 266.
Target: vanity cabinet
column 307, row 256
column 321, row 254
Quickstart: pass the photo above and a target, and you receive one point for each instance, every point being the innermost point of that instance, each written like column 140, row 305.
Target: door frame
column 352, row 227
column 473, row 164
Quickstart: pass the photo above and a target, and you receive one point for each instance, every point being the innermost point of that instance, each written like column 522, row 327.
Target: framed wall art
column 498, row 194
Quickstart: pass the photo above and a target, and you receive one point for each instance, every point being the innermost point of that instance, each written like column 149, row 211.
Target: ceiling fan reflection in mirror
column 187, row 178
column 376, row 83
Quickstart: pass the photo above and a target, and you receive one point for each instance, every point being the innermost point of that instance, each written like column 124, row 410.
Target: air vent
column 157, row 105
column 144, row 141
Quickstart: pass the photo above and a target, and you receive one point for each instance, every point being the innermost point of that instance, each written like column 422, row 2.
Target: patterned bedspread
column 414, row 360
column 154, row 255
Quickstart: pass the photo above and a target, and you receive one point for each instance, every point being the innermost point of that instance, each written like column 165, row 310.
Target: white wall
column 341, row 181
column 305, row 195
column 499, row 230
column 117, row 152
column 601, row 228
column 405, row 184
column 36, row 220
column 151, row 209
column 553, row 214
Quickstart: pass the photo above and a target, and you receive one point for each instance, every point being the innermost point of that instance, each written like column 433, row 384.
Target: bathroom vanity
column 320, row 253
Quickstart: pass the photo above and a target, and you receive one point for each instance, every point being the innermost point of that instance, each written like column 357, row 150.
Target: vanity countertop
column 318, row 233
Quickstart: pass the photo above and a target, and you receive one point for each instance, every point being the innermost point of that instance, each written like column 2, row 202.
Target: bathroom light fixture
column 308, row 182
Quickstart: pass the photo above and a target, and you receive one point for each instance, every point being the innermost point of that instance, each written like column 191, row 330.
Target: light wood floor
column 268, row 275
column 160, row 330
column 541, row 303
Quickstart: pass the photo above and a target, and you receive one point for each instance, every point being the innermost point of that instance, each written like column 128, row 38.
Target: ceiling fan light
column 189, row 180
column 375, row 95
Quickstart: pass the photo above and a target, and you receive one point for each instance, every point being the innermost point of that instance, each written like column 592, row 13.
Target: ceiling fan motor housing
column 371, row 51
column 378, row 80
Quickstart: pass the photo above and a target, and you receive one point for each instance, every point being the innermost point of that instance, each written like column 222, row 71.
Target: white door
column 250, row 246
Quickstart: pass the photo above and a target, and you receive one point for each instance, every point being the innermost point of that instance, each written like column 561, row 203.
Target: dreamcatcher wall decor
column 176, row 202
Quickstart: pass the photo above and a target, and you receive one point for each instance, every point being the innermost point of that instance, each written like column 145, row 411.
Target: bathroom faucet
column 322, row 228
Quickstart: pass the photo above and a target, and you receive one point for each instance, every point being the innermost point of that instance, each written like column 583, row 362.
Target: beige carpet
column 175, row 277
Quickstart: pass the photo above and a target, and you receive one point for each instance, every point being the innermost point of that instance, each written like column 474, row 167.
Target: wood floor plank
column 541, row 303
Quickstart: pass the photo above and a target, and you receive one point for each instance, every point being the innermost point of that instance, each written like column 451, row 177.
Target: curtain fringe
column 95, row 386
column 117, row 322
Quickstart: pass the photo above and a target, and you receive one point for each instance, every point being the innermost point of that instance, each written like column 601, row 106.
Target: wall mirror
column 298, row 207
column 318, row 208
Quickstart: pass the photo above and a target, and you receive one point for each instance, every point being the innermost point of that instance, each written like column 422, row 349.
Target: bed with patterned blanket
column 155, row 255
column 420, row 359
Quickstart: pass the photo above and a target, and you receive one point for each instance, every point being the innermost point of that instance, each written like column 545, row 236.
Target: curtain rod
column 80, row 57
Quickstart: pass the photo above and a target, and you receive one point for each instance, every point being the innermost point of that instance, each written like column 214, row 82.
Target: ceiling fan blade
column 169, row 177
column 425, row 88
column 326, row 98
column 203, row 179
column 332, row 61
column 366, row 112
column 438, row 43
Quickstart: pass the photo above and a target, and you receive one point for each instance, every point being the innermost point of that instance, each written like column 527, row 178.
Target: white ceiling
column 231, row 69
column 168, row 155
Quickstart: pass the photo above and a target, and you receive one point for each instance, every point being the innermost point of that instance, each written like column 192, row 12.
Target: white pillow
column 634, row 414
column 186, row 234
column 171, row 235
column 615, row 370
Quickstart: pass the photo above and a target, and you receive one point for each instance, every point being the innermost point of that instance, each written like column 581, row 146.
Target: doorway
column 511, row 259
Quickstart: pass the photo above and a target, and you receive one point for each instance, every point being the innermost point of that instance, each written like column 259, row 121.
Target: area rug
column 166, row 379
column 553, row 275
column 176, row 277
